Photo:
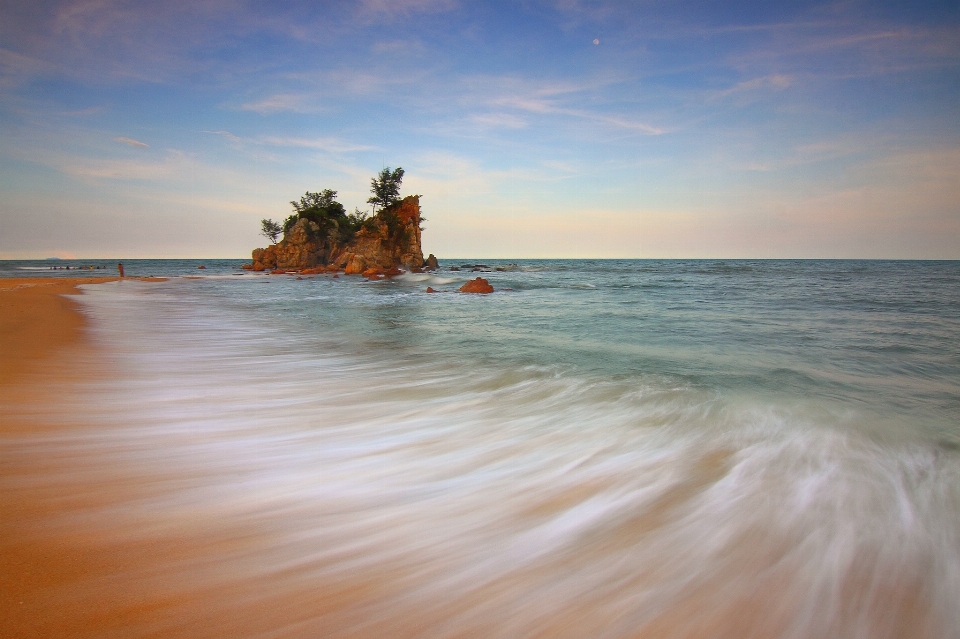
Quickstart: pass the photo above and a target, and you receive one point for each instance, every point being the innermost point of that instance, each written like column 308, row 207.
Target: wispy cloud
column 115, row 169
column 331, row 145
column 772, row 82
column 544, row 106
column 296, row 102
column 226, row 134
column 400, row 47
column 554, row 98
column 15, row 67
column 386, row 9
column 498, row 120
column 620, row 122
column 84, row 112
column 134, row 143
column 847, row 51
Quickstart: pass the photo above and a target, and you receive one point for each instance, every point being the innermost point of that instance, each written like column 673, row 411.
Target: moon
column 596, row 40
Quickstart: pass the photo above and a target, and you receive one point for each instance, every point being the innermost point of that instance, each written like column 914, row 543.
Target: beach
column 44, row 351
column 606, row 449
column 47, row 355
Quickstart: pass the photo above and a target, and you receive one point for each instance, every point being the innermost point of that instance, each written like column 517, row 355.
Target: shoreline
column 73, row 562
column 38, row 319
column 46, row 356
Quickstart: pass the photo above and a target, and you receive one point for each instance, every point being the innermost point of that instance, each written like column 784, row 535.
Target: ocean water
column 637, row 448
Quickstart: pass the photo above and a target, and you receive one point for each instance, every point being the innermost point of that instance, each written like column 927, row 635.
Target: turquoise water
column 721, row 448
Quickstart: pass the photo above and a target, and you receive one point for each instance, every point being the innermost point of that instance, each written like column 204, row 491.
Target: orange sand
column 60, row 579
column 36, row 323
column 43, row 351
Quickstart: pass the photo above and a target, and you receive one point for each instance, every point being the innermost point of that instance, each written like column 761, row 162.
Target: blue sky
column 531, row 129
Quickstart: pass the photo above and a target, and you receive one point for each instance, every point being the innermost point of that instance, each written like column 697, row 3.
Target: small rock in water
column 373, row 274
column 478, row 285
column 430, row 289
column 201, row 266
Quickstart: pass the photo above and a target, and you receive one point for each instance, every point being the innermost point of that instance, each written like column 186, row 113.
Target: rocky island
column 390, row 239
column 322, row 236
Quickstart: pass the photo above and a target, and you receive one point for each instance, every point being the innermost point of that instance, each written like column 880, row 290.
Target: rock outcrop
column 301, row 247
column 392, row 240
column 478, row 285
column 388, row 240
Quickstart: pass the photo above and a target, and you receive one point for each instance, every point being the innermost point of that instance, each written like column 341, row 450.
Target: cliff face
column 389, row 239
column 301, row 247
column 393, row 240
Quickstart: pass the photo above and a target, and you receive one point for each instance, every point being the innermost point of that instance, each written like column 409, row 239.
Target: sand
column 69, row 567
column 44, row 353
column 37, row 322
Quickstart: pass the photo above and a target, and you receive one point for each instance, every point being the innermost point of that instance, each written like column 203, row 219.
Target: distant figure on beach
column 120, row 268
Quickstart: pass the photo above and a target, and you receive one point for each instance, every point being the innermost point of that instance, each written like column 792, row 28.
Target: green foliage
column 316, row 201
column 358, row 220
column 322, row 208
column 386, row 188
column 333, row 223
column 270, row 230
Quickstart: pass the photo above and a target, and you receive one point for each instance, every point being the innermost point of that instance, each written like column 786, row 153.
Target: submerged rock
column 314, row 271
column 373, row 274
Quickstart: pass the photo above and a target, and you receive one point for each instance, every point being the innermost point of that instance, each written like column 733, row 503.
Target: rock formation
column 385, row 241
column 478, row 285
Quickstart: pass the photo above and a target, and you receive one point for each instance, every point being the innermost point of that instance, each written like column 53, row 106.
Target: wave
column 317, row 486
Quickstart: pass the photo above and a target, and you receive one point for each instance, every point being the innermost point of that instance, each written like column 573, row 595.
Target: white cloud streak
column 295, row 102
column 330, row 145
column 131, row 142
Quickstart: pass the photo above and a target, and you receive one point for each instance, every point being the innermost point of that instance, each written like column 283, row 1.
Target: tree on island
column 322, row 209
column 270, row 230
column 332, row 220
column 386, row 188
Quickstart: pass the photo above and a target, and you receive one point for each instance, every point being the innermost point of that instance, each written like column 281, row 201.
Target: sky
column 531, row 129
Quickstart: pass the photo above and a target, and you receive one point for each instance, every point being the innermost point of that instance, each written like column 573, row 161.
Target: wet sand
column 36, row 323
column 42, row 342
column 76, row 557
column 46, row 357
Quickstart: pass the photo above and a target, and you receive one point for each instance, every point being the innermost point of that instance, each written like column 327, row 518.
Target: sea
column 599, row 448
